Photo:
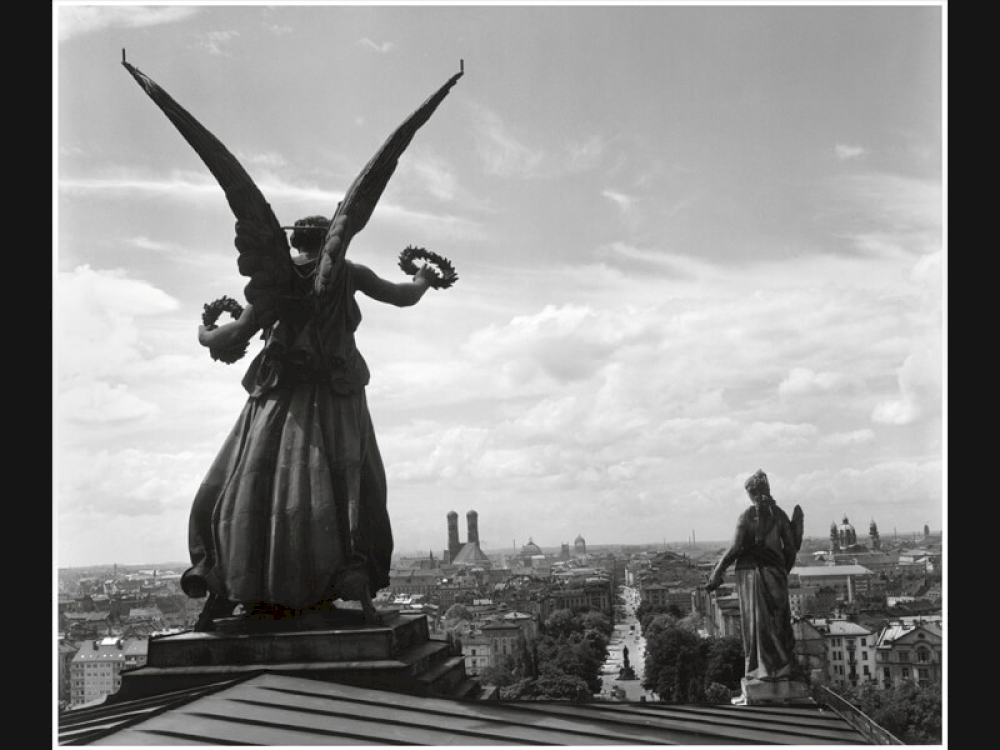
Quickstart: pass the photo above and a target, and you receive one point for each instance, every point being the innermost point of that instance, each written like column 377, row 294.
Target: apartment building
column 478, row 653
column 593, row 595
column 663, row 595
column 414, row 581
column 800, row 596
column 503, row 637
column 95, row 670
column 910, row 650
column 850, row 650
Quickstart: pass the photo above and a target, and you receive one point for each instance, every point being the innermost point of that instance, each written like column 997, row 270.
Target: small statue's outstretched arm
column 740, row 541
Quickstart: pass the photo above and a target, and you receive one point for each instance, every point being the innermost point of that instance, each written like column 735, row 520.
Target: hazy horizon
column 417, row 554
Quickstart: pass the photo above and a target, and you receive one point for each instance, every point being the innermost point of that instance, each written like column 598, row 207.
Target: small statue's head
column 309, row 233
column 757, row 484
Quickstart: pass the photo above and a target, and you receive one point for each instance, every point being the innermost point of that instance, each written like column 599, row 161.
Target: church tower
column 454, row 546
column 472, row 522
column 834, row 537
column 876, row 543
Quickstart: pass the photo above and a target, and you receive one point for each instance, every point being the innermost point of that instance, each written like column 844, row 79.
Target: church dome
column 846, row 532
column 530, row 549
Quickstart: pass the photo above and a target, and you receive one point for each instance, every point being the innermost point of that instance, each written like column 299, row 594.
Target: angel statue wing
column 798, row 525
column 359, row 201
column 261, row 242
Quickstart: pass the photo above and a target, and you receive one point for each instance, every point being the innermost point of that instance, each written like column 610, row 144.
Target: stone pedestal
column 780, row 692
column 307, row 639
column 397, row 655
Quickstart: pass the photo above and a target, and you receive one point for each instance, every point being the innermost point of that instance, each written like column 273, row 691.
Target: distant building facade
column 95, row 670
column 910, row 652
column 662, row 595
column 850, row 651
column 843, row 579
column 478, row 654
column 576, row 596
column 414, row 581
column 503, row 638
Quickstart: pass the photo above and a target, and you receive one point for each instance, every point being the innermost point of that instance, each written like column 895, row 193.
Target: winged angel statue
column 291, row 515
column 764, row 550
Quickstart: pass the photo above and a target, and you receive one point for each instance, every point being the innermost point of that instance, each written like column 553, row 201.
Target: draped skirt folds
column 766, row 622
column 297, row 491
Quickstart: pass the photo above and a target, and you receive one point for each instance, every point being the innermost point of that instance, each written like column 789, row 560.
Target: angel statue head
column 757, row 485
column 309, row 234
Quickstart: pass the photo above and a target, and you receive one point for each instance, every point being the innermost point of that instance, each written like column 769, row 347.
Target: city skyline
column 887, row 537
column 692, row 242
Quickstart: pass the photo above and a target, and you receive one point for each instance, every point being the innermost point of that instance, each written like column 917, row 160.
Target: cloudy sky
column 692, row 241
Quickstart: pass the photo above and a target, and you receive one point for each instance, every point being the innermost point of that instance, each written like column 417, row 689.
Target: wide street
column 626, row 635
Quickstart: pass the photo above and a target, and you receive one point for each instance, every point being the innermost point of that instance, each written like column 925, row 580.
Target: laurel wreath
column 443, row 271
column 209, row 317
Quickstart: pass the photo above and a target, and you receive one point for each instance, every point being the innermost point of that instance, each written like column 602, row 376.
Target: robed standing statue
column 763, row 550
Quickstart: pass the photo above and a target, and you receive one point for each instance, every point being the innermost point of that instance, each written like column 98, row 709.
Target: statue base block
column 780, row 692
column 398, row 655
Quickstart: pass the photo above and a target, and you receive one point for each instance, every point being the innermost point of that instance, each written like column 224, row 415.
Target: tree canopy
column 683, row 667
column 675, row 665
column 563, row 662
column 910, row 712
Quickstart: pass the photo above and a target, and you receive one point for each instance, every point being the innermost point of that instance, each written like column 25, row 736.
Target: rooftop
column 272, row 709
column 470, row 554
column 500, row 625
column 818, row 571
column 102, row 653
column 846, row 627
column 896, row 630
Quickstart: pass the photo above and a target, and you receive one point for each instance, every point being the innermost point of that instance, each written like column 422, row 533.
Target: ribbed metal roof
column 846, row 627
column 271, row 709
column 470, row 554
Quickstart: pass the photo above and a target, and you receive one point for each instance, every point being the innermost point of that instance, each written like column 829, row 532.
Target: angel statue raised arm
column 292, row 514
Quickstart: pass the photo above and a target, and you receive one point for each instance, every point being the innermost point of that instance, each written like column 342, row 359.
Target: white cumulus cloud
column 77, row 20
column 848, row 152
column 803, row 381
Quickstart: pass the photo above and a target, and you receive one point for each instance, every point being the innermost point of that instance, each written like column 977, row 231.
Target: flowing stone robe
column 764, row 552
column 298, row 491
